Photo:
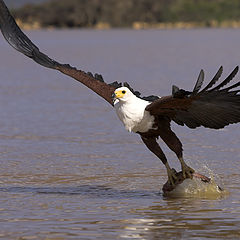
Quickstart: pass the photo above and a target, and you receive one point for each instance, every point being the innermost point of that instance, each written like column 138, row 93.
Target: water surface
column 69, row 170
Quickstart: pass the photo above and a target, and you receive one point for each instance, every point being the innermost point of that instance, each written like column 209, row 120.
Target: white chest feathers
column 133, row 115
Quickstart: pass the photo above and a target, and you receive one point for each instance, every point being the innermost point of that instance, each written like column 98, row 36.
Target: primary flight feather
column 150, row 117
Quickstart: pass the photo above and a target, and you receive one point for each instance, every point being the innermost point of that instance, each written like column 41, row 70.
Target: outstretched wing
column 213, row 107
column 18, row 40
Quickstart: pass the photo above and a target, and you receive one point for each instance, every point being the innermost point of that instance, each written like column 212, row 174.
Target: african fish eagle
column 150, row 117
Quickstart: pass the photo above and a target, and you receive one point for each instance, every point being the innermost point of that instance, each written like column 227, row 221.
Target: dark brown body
column 166, row 134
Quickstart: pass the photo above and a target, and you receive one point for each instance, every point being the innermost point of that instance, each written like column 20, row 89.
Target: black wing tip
column 45, row 61
column 175, row 89
column 199, row 82
column 115, row 84
column 220, row 69
column 18, row 40
column 226, row 81
column 236, row 69
column 98, row 77
column 214, row 80
column 181, row 93
column 3, row 8
column 136, row 93
column 150, row 98
column 229, row 78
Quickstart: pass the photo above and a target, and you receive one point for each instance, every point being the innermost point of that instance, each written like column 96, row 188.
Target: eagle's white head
column 123, row 94
column 131, row 110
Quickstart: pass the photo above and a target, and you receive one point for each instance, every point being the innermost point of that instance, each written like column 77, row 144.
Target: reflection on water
column 200, row 224
column 88, row 190
column 69, row 170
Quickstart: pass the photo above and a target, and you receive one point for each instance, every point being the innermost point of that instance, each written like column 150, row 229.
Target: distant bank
column 144, row 14
column 140, row 25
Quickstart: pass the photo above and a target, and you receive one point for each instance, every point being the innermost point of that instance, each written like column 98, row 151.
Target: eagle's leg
column 154, row 147
column 173, row 142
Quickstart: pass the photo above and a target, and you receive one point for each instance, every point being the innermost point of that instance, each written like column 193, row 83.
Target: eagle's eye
column 123, row 92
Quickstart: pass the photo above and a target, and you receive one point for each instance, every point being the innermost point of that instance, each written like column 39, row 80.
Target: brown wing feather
column 211, row 108
column 169, row 105
column 18, row 40
column 101, row 88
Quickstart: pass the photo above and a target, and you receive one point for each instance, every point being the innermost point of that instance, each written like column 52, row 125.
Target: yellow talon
column 171, row 175
column 186, row 170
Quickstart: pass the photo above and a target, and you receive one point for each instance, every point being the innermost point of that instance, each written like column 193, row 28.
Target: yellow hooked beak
column 118, row 94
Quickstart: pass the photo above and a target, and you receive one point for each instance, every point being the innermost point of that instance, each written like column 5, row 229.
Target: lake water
column 69, row 170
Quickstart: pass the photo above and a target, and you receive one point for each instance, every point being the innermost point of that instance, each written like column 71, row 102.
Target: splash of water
column 196, row 188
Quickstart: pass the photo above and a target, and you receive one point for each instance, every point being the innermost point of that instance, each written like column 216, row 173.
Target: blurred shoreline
column 129, row 14
column 138, row 25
